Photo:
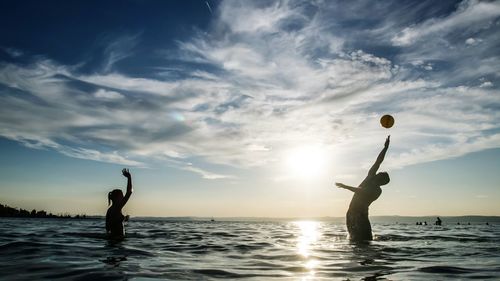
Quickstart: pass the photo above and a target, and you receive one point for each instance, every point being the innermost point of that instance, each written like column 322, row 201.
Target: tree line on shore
column 7, row 211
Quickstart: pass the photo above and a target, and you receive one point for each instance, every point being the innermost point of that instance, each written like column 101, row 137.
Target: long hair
column 112, row 194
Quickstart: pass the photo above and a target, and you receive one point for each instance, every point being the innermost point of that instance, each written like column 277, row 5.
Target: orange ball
column 387, row 121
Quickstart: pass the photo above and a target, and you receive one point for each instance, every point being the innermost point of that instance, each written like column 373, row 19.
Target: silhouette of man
column 368, row 191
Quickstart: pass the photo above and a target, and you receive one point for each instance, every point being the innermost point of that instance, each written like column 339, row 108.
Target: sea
column 71, row 249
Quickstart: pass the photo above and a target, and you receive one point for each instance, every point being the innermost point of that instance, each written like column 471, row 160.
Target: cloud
column 469, row 13
column 486, row 84
column 208, row 6
column 258, row 19
column 247, row 91
column 460, row 46
column 91, row 154
column 111, row 95
column 472, row 41
column 118, row 49
column 205, row 174
column 15, row 53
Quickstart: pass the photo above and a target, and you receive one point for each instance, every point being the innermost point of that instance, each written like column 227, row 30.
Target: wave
column 446, row 269
column 233, row 250
column 454, row 238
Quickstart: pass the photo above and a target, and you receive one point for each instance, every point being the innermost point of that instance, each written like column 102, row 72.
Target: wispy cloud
column 273, row 77
column 208, row 6
column 118, row 49
column 205, row 174
column 469, row 15
column 13, row 52
column 110, row 95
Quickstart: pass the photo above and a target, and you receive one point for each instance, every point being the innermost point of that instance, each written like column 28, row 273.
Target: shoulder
column 367, row 181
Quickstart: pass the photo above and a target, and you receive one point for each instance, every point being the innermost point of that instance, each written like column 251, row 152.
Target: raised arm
column 373, row 170
column 127, row 174
column 341, row 185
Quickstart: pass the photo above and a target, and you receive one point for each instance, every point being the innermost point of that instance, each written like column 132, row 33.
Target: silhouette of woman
column 368, row 191
column 114, row 216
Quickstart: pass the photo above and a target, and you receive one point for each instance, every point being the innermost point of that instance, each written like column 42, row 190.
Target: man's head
column 382, row 178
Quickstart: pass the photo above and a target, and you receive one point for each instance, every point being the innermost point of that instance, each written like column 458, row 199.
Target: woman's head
column 382, row 178
column 115, row 196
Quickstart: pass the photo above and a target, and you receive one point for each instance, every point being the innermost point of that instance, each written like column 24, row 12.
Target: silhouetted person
column 368, row 191
column 114, row 216
column 438, row 221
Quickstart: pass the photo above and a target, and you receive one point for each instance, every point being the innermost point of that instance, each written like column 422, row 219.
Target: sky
column 249, row 108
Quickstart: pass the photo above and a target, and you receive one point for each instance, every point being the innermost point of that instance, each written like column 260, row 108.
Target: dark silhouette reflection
column 114, row 216
column 371, row 260
column 114, row 252
column 368, row 191
column 114, row 261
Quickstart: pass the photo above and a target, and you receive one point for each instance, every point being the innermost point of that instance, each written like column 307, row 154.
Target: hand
column 126, row 173
column 340, row 185
column 387, row 141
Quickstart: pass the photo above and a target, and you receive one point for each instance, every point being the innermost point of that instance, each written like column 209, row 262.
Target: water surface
column 59, row 249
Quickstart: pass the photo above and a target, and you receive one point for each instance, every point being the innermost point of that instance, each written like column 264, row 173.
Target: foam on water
column 55, row 249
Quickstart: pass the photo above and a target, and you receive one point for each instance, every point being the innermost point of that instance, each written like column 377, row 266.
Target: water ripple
column 153, row 250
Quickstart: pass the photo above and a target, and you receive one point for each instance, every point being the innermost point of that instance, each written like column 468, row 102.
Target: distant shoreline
column 10, row 212
column 375, row 219
column 451, row 220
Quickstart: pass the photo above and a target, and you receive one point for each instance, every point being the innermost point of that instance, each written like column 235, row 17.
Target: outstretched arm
column 127, row 174
column 380, row 158
column 341, row 185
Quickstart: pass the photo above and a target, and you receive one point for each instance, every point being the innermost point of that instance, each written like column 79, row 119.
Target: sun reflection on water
column 309, row 234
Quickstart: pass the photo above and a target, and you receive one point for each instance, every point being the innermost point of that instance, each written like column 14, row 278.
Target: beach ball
column 387, row 121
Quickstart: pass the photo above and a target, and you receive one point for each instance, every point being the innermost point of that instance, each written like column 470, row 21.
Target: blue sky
column 249, row 108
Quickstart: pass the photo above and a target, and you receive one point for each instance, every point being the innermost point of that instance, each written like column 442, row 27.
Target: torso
column 114, row 220
column 367, row 193
column 358, row 223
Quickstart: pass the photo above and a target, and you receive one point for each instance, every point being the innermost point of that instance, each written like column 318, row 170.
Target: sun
column 306, row 162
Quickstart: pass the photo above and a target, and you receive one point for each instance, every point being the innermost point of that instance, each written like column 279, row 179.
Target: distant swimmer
column 368, row 191
column 438, row 221
column 114, row 216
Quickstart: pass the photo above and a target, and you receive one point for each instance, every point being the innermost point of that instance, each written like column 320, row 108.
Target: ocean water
column 58, row 249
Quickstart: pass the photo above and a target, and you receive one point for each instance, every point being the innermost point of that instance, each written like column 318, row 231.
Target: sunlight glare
column 306, row 162
column 308, row 235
